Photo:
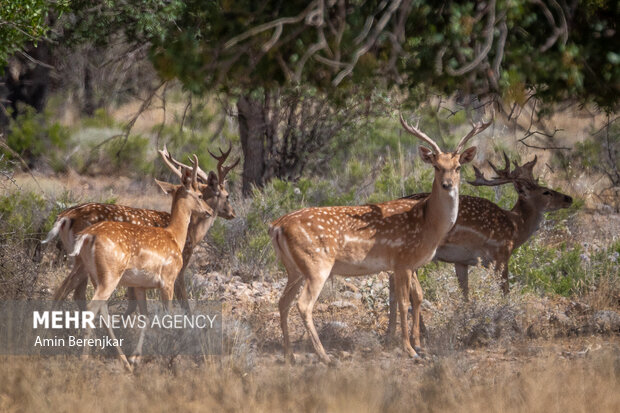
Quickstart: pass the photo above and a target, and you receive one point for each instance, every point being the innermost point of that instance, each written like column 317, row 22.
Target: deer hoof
column 290, row 358
column 134, row 360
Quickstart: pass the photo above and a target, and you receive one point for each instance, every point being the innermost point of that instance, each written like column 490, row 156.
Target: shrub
column 133, row 155
column 25, row 217
column 33, row 135
column 566, row 270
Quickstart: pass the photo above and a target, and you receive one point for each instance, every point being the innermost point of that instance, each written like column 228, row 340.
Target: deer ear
column 186, row 179
column 167, row 187
column 426, row 154
column 467, row 155
column 213, row 180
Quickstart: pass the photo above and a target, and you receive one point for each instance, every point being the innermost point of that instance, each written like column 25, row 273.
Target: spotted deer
column 132, row 255
column 73, row 220
column 399, row 235
column 486, row 234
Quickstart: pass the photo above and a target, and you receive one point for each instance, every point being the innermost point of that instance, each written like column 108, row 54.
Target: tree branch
column 270, row 25
column 369, row 43
column 488, row 32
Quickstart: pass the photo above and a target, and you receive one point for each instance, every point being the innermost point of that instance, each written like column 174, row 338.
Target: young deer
column 487, row 234
column 399, row 235
column 73, row 220
column 133, row 255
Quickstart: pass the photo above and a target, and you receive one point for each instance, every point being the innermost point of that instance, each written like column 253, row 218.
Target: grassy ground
column 573, row 375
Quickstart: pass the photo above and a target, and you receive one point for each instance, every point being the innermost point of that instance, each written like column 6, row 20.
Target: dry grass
column 551, row 383
column 124, row 190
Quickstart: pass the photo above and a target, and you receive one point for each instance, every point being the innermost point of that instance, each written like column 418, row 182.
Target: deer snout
column 568, row 199
column 447, row 185
column 229, row 214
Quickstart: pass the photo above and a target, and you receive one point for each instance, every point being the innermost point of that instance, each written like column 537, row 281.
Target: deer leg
column 99, row 304
column 76, row 281
column 180, row 291
column 121, row 355
column 403, row 284
column 179, row 284
column 416, row 296
column 139, row 295
column 505, row 282
column 392, row 313
column 309, row 294
column 412, row 296
column 293, row 284
column 463, row 277
column 79, row 293
column 132, row 304
column 166, row 293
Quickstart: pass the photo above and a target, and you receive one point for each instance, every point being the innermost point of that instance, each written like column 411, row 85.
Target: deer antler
column 525, row 172
column 520, row 173
column 476, row 129
column 504, row 176
column 420, row 135
column 222, row 170
column 172, row 164
column 178, row 167
column 195, row 169
column 502, row 173
column 482, row 181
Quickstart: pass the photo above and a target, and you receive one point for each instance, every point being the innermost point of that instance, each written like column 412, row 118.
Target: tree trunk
column 252, row 131
column 89, row 96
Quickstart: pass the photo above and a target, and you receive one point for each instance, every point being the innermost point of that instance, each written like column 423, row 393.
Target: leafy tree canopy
column 24, row 21
column 498, row 49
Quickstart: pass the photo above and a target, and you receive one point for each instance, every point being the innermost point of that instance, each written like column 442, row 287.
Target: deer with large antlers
column 139, row 256
column 486, row 234
column 399, row 235
column 74, row 220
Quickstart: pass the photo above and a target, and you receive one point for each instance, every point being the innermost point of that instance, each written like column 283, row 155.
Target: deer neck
column 441, row 209
column 198, row 229
column 527, row 218
column 179, row 221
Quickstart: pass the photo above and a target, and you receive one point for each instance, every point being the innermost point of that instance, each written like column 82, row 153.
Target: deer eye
column 546, row 193
column 458, row 168
column 436, row 168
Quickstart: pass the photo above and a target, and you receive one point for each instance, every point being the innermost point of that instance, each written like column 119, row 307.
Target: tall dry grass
column 554, row 384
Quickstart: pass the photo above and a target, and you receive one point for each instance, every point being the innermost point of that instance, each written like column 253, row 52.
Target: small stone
column 606, row 321
column 343, row 304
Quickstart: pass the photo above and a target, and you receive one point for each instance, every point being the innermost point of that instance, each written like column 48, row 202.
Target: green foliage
column 565, row 270
column 600, row 153
column 582, row 67
column 100, row 119
column 584, row 64
column 133, row 155
column 26, row 216
column 24, row 21
column 33, row 134
column 140, row 21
